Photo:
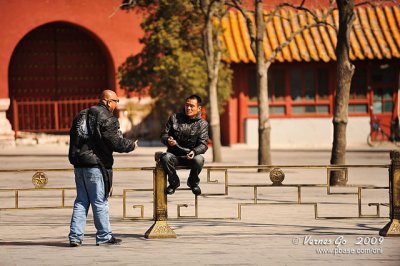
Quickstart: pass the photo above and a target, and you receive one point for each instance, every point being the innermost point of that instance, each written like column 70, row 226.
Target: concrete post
column 393, row 227
column 160, row 228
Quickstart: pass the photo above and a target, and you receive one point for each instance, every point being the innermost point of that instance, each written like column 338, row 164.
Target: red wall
column 118, row 30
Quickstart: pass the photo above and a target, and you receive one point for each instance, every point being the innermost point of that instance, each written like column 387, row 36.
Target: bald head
column 110, row 99
column 108, row 95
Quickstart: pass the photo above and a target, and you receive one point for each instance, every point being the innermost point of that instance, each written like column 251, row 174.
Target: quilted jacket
column 94, row 138
column 191, row 134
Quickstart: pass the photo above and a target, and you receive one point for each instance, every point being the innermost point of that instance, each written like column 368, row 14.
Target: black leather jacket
column 103, row 138
column 189, row 133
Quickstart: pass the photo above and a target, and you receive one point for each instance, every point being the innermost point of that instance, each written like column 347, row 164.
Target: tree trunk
column 264, row 126
column 213, row 59
column 345, row 71
column 214, row 116
column 216, row 134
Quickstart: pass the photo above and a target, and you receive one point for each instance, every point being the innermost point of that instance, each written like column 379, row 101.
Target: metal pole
column 15, row 118
column 393, row 227
column 160, row 228
column 124, row 204
column 56, row 119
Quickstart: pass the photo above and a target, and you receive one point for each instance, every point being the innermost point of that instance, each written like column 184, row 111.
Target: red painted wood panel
column 54, row 62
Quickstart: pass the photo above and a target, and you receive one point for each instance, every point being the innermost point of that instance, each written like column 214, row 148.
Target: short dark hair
column 195, row 96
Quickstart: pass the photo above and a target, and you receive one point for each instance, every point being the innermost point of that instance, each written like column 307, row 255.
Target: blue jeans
column 90, row 191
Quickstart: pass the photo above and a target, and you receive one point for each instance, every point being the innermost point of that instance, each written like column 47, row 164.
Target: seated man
column 186, row 136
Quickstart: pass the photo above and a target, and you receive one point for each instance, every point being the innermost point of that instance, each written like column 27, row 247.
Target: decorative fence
column 244, row 179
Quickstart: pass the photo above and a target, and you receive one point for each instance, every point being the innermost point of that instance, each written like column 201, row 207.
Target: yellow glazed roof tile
column 355, row 48
column 377, row 31
column 332, row 32
column 386, row 32
column 366, row 29
column 365, row 51
column 246, row 39
column 325, row 39
column 317, row 38
column 237, row 38
column 397, row 15
column 307, row 37
column 277, row 21
column 227, row 38
column 394, row 29
column 294, row 51
column 305, row 56
column 272, row 38
column 375, row 35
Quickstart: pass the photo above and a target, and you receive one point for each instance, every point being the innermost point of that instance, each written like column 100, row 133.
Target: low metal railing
column 47, row 116
column 161, row 229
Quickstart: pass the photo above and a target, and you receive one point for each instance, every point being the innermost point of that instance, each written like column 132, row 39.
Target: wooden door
column 55, row 63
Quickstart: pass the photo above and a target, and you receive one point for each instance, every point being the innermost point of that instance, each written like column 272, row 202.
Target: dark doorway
column 55, row 70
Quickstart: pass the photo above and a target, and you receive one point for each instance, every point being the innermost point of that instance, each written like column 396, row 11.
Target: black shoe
column 112, row 241
column 171, row 188
column 75, row 244
column 195, row 188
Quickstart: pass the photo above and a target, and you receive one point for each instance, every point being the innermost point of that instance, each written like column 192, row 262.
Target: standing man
column 186, row 136
column 94, row 136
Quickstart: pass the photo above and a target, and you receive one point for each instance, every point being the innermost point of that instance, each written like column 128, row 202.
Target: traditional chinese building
column 57, row 55
column 302, row 77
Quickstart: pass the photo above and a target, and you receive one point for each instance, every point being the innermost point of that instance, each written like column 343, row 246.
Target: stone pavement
column 266, row 235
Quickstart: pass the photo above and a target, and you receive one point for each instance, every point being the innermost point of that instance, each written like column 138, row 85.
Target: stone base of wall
column 6, row 133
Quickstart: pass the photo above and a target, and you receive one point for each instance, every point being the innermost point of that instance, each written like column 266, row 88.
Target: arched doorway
column 56, row 70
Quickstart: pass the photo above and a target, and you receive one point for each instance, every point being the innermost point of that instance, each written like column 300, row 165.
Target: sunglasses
column 116, row 101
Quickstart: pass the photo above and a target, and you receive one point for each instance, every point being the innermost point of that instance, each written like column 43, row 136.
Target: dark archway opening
column 55, row 71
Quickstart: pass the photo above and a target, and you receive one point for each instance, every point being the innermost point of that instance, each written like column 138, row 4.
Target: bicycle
column 377, row 135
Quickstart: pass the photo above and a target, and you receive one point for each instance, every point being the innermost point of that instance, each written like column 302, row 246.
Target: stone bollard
column 393, row 227
column 160, row 228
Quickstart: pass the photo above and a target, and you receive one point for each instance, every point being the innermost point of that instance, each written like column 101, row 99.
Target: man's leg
column 197, row 164
column 80, row 211
column 95, row 187
column 169, row 162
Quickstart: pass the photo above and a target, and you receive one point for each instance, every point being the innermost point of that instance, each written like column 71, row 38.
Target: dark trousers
column 169, row 162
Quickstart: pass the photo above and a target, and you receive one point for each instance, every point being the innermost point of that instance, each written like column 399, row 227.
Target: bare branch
column 115, row 11
column 319, row 21
column 210, row 11
column 124, row 6
column 307, row 10
column 376, row 3
column 366, row 3
column 301, row 7
column 280, row 47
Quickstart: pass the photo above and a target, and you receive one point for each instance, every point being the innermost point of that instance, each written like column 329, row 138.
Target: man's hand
column 190, row 155
column 171, row 141
column 135, row 144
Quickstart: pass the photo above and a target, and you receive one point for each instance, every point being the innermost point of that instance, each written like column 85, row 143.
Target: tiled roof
column 375, row 35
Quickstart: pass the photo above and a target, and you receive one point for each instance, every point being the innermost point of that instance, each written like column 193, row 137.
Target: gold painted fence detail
column 278, row 177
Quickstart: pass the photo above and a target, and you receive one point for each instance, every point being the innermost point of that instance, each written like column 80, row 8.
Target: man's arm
column 112, row 135
column 202, row 141
column 166, row 134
